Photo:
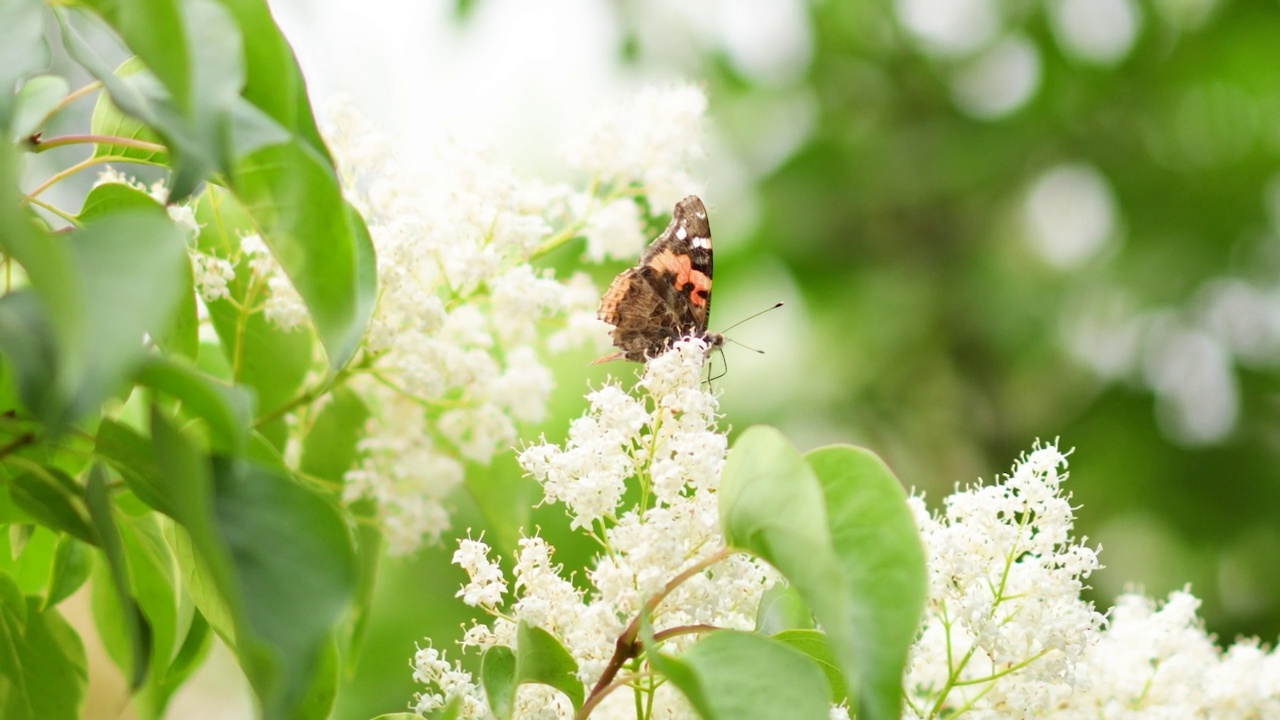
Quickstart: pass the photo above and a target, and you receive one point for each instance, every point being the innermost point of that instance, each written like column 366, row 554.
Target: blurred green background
column 994, row 221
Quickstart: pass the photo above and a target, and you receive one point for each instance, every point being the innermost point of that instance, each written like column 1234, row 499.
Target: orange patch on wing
column 679, row 265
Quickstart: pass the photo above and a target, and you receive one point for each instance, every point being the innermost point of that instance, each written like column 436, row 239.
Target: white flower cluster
column 1005, row 633
column 462, row 315
column 1158, row 662
column 648, row 142
column 1004, row 628
column 665, row 442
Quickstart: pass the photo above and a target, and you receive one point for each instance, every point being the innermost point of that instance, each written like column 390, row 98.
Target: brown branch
column 17, row 443
column 628, row 645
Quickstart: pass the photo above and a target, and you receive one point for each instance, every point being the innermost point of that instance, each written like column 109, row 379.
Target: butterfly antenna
column 735, row 342
column 752, row 317
column 724, row 360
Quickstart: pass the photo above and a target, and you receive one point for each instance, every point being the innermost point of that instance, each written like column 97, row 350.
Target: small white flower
column 212, row 274
column 185, row 217
column 261, row 262
column 487, row 585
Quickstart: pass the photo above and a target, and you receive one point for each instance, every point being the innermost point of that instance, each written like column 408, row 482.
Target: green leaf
column 329, row 449
column 369, row 550
column 227, row 410
column 180, row 337
column 193, row 55
column 153, row 585
column 26, row 339
column 30, row 557
column 191, row 653
column 538, row 658
column 71, row 566
column 274, row 83
column 771, row 504
column 108, row 121
column 320, row 241
column 42, row 662
column 129, row 453
column 182, row 489
column 731, row 675
column 55, row 500
column 295, row 571
column 35, row 100
column 782, row 608
column 22, row 51
column 108, row 198
column 136, row 628
column 317, row 699
column 498, row 675
column 101, row 287
column 816, row 645
column 883, row 561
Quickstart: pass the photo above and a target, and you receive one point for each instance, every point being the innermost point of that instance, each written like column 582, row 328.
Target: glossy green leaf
column 129, row 453
column 815, row 645
column 27, row 340
column 55, row 500
column 190, row 86
column 183, row 490
column 771, row 504
column 274, row 83
column 537, row 658
column 731, row 675
column 329, row 449
column 71, row 565
column 154, row 587
column 180, row 337
column 320, row 241
column 191, row 653
column 155, row 30
column 107, row 120
column 498, row 676
column 318, row 698
column 108, row 198
column 37, row 97
column 101, row 287
column 782, row 608
column 295, row 572
column 370, row 546
column 540, row 658
column 879, row 548
column 227, row 410
column 42, row 663
column 22, row 51
column 135, row 626
column 31, row 553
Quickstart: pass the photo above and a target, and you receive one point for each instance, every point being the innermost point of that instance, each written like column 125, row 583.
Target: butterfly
column 667, row 296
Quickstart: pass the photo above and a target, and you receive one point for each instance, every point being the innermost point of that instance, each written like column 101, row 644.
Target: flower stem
column 42, row 144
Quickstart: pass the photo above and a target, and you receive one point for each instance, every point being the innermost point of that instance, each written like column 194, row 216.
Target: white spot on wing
column 681, row 232
column 701, row 242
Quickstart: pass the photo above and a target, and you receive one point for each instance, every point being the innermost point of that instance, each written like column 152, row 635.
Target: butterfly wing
column 666, row 296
